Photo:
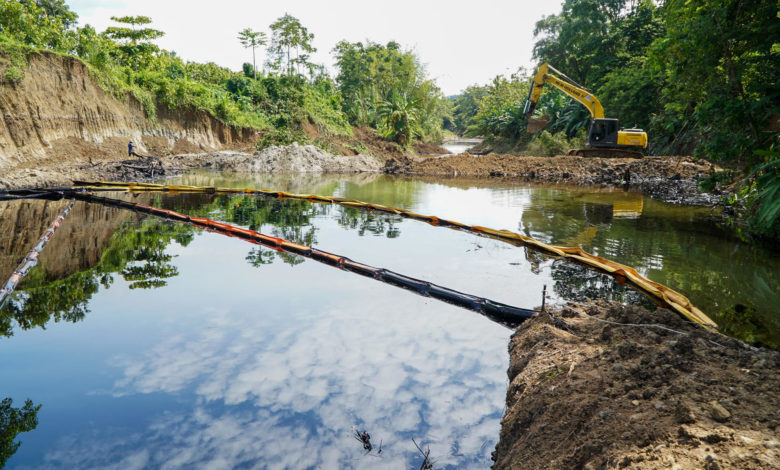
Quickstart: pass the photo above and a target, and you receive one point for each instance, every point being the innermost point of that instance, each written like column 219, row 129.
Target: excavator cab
column 603, row 133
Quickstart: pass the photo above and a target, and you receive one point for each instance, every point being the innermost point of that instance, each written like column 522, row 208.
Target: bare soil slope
column 585, row 394
column 56, row 114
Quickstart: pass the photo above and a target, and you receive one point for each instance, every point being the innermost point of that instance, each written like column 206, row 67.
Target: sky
column 460, row 43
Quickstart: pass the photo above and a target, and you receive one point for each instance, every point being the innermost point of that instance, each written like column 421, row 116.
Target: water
column 167, row 346
column 459, row 146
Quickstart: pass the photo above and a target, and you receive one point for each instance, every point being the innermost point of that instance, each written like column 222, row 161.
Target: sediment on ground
column 672, row 179
column 587, row 393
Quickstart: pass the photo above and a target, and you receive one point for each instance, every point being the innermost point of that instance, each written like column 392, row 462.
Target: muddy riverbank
column 671, row 179
column 588, row 393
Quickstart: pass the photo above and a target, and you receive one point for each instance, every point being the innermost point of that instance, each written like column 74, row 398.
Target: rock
column 746, row 440
column 718, row 412
column 635, row 402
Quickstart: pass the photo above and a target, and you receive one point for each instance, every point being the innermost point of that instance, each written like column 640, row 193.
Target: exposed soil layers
column 585, row 394
column 56, row 115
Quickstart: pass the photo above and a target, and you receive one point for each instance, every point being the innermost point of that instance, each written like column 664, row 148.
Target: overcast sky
column 461, row 43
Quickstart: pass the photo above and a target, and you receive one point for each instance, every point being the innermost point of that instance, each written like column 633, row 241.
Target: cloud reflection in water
column 270, row 397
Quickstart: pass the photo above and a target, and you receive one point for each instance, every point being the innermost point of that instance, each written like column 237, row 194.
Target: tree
column 134, row 46
column 399, row 118
column 12, row 422
column 372, row 74
column 252, row 39
column 29, row 22
column 290, row 45
column 466, row 106
column 721, row 57
column 60, row 10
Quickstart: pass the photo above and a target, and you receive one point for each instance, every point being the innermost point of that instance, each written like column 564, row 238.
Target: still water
column 155, row 345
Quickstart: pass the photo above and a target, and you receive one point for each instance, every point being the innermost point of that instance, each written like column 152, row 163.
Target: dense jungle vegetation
column 382, row 86
column 699, row 76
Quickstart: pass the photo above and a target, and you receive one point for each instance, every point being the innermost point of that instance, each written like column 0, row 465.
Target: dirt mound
column 672, row 179
column 311, row 159
column 587, row 394
column 277, row 159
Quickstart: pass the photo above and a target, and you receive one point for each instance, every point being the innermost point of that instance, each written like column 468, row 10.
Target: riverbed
column 165, row 345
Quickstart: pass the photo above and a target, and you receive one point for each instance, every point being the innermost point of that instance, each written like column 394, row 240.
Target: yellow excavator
column 605, row 138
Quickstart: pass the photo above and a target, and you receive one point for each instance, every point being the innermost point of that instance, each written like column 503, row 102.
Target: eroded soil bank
column 671, row 179
column 585, row 393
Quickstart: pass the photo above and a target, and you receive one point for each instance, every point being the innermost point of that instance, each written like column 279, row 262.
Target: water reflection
column 14, row 421
column 666, row 243
column 581, row 283
column 229, row 365
column 135, row 252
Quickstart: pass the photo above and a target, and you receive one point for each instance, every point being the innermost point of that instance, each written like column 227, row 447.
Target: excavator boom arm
column 547, row 74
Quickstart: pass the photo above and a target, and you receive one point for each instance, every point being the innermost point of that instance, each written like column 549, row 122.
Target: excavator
column 605, row 138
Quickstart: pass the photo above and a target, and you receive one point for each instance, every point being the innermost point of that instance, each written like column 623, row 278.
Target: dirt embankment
column 56, row 117
column 672, row 179
column 588, row 394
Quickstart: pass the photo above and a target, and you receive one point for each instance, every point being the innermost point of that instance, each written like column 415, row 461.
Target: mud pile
column 279, row 159
column 585, row 393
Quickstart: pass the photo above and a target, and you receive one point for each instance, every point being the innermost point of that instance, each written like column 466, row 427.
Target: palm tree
column 252, row 39
column 398, row 117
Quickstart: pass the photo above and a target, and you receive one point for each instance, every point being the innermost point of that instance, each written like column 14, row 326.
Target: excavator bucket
column 535, row 125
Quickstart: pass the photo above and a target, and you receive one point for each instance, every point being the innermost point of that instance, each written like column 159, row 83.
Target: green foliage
column 282, row 136
column 500, row 110
column 546, row 144
column 700, row 76
column 27, row 22
column 763, row 195
column 13, row 74
column 719, row 56
column 398, row 119
column 566, row 115
column 465, row 107
column 372, row 74
column 252, row 39
column 12, row 422
column 290, row 47
column 134, row 47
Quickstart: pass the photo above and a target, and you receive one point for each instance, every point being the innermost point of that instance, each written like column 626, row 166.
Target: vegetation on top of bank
column 699, row 76
column 281, row 99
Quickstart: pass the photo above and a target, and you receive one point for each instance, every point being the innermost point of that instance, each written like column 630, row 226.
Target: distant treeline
column 700, row 76
column 382, row 86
